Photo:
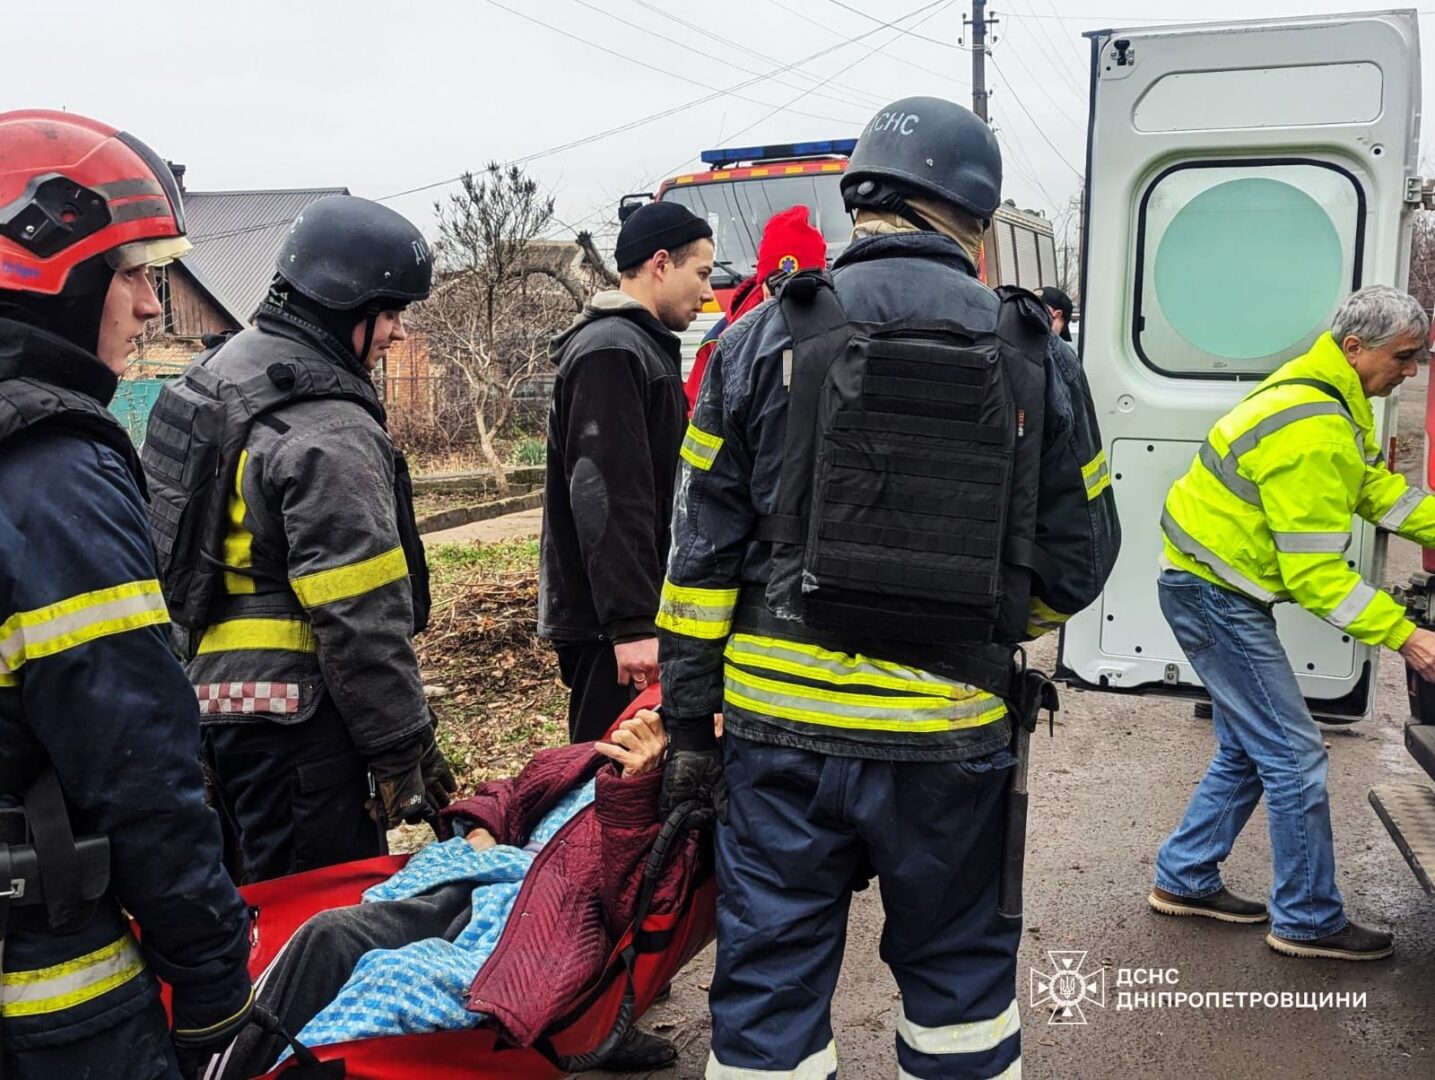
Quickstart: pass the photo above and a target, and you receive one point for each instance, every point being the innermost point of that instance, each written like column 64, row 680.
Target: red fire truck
column 745, row 186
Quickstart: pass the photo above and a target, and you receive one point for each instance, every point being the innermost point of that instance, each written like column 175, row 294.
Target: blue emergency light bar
column 718, row 158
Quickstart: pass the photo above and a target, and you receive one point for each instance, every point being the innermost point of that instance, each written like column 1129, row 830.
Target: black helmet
column 347, row 253
column 925, row 146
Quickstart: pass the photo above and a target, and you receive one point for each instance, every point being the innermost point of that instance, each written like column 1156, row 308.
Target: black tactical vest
column 199, row 426
column 907, row 503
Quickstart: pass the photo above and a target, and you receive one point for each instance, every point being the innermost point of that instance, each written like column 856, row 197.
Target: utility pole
column 980, row 24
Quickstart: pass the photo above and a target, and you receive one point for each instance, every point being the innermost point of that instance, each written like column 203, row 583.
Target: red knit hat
column 790, row 244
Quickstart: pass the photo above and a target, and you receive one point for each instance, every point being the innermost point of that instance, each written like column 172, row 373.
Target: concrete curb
column 466, row 515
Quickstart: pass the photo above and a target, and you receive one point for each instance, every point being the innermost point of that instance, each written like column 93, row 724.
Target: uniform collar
column 918, row 245
column 1326, row 361
column 27, row 352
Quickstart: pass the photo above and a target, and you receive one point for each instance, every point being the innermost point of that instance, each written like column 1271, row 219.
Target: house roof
column 236, row 235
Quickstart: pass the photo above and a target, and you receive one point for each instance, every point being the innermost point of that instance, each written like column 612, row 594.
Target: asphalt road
column 1105, row 793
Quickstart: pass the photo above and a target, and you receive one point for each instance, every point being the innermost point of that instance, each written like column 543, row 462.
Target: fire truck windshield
column 737, row 210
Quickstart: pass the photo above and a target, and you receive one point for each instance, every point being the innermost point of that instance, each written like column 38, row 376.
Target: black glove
column 413, row 780
column 199, row 1040
column 694, row 768
column 438, row 777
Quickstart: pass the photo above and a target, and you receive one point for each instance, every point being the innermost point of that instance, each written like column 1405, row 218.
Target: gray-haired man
column 1264, row 515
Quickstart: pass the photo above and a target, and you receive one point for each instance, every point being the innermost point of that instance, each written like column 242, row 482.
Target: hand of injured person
column 637, row 744
column 481, row 840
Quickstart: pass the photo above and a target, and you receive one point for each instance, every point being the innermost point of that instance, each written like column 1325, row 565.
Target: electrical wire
column 629, row 125
column 665, row 71
column 875, row 100
column 908, row 33
column 1053, row 55
column 1040, row 130
column 706, row 46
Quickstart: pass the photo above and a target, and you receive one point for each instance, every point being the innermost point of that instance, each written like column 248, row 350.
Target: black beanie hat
column 658, row 226
column 1053, row 297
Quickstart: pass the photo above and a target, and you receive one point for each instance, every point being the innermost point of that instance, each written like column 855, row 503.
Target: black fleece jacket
column 614, row 431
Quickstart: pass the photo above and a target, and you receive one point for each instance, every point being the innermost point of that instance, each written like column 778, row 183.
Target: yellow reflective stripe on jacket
column 74, row 982
column 840, row 669
column 346, row 582
column 9, row 678
column 293, row 635
column 1041, row 618
column 29, row 635
column 853, row 711
column 696, row 612
column 1096, row 475
column 973, row 1037
column 238, row 541
column 700, row 449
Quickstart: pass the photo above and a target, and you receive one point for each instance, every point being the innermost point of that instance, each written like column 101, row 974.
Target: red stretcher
column 643, row 961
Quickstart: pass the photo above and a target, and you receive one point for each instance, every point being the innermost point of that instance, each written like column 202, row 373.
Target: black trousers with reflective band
column 590, row 671
column 293, row 795
column 134, row 1048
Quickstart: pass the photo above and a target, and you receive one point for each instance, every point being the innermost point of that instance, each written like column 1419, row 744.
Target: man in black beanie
column 614, row 433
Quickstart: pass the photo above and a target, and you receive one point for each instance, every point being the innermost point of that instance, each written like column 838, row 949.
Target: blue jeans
column 1267, row 744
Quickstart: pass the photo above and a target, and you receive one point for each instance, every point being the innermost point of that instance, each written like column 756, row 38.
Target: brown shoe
column 1352, row 943
column 1223, row 905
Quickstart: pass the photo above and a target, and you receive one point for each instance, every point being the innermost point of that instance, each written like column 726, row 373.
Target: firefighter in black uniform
column 302, row 650
column 891, row 477
column 101, row 798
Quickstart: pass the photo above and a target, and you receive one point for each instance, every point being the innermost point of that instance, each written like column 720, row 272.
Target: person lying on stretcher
column 437, row 946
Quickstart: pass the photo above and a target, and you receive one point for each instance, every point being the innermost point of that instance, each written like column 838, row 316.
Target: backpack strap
column 819, row 330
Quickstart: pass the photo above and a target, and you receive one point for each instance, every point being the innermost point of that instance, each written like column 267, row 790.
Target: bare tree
column 499, row 296
column 1422, row 259
column 1067, row 228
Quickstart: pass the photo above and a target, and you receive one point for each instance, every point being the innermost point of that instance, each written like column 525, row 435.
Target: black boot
column 641, row 1052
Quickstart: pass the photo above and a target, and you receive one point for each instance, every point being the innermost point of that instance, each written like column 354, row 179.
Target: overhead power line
column 907, row 33
column 1040, row 129
column 625, row 57
column 875, row 100
column 661, row 114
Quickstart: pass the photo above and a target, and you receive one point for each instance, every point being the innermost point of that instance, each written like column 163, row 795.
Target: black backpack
column 197, row 429
column 907, row 504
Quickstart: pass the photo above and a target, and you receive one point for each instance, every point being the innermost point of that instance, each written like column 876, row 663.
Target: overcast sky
column 382, row 97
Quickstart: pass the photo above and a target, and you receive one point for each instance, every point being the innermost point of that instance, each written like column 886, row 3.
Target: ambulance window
column 1241, row 264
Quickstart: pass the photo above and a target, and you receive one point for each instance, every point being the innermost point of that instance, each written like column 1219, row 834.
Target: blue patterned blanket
column 421, row 986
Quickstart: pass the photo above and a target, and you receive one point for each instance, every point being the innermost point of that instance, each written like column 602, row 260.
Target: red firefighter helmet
column 72, row 188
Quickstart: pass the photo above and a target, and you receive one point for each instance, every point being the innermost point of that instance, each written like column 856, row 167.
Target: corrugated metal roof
column 236, row 235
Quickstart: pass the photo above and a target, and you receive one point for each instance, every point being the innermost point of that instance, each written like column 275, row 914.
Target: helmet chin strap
column 370, row 321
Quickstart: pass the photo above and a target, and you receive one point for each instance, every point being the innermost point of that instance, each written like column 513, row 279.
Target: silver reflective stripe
column 971, row 1038
column 63, row 986
column 1311, row 543
column 29, row 635
column 1404, row 506
column 1349, row 609
column 1188, row 545
column 1225, row 467
column 1244, row 443
column 1226, row 470
column 1011, row 1072
column 818, row 1066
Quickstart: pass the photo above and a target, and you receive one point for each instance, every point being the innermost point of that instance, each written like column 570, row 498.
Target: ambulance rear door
column 1242, row 178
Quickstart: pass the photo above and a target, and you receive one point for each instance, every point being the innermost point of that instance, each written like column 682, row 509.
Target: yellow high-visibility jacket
column 1266, row 507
